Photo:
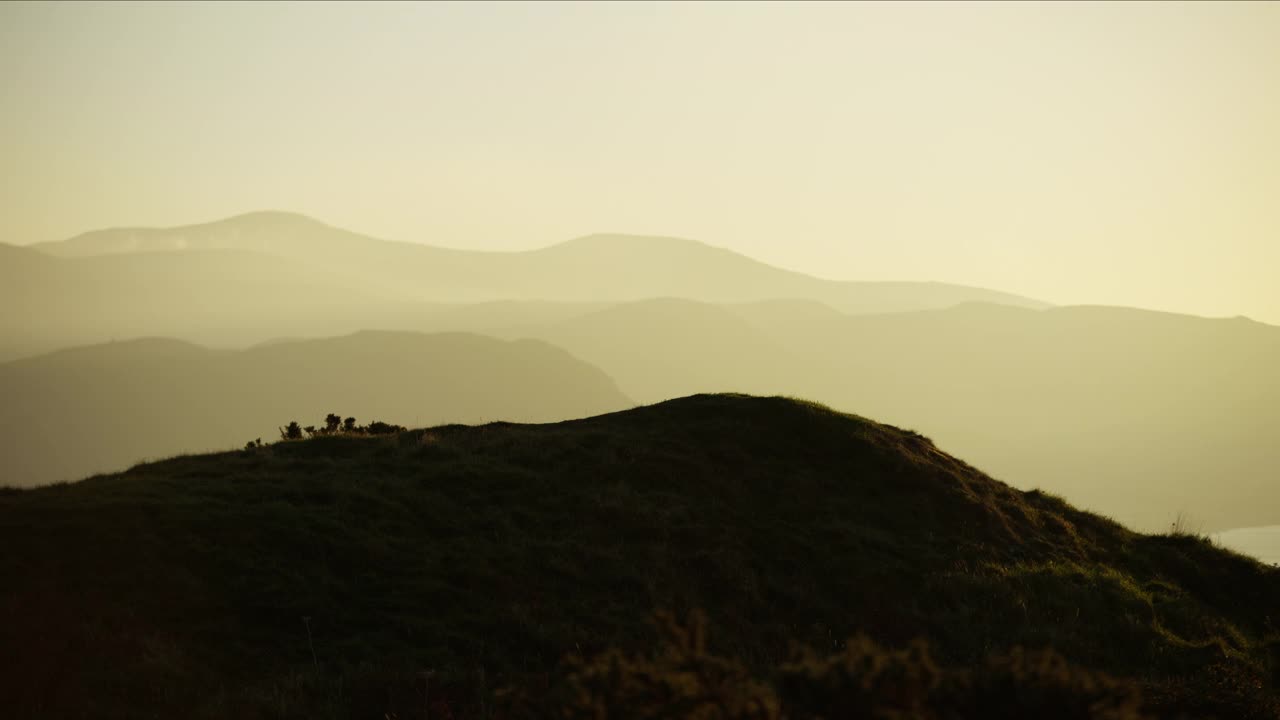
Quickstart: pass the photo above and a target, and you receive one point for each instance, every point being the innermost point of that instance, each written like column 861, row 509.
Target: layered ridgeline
column 1139, row 415
column 375, row 576
column 100, row 408
column 592, row 268
column 255, row 275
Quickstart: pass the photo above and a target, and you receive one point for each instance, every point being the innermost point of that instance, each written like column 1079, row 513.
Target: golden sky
column 1121, row 153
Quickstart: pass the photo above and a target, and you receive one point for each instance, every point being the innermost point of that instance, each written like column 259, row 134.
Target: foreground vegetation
column 512, row 569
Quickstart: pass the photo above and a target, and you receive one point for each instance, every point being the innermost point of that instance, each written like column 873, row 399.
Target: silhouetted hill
column 101, row 408
column 1140, row 415
column 322, row 577
column 594, row 268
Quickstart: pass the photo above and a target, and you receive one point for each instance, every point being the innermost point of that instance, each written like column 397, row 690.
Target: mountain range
column 1141, row 415
column 594, row 268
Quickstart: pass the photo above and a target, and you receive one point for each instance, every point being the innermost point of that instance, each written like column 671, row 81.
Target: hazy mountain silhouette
column 250, row 278
column 281, row 574
column 594, row 268
column 100, row 408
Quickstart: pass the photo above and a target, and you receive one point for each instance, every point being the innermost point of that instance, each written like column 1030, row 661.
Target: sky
column 1122, row 154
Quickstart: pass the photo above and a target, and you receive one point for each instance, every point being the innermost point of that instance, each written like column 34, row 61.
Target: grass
column 1184, row 525
column 488, row 554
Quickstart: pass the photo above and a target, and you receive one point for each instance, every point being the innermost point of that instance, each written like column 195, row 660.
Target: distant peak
column 126, row 347
column 255, row 218
column 272, row 217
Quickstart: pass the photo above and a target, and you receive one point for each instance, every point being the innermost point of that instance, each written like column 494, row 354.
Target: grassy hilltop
column 322, row 578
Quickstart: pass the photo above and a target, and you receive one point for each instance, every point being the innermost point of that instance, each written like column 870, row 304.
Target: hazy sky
column 1122, row 154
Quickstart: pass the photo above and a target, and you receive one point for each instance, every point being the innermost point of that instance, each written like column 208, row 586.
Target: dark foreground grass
column 377, row 577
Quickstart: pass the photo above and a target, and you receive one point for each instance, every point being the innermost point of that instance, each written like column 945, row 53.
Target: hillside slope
column 104, row 407
column 319, row 577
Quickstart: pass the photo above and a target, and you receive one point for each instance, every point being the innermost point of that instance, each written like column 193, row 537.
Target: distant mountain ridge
column 248, row 231
column 601, row 267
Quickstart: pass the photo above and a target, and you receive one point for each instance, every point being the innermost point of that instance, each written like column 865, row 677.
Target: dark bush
column 292, row 431
column 335, row 424
column 377, row 427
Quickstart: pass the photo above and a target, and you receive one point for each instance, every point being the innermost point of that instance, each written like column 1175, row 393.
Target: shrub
column 331, row 423
column 334, row 425
column 377, row 427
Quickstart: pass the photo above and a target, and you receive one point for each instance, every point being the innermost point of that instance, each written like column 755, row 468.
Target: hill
column 102, row 408
column 596, row 268
column 324, row 577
